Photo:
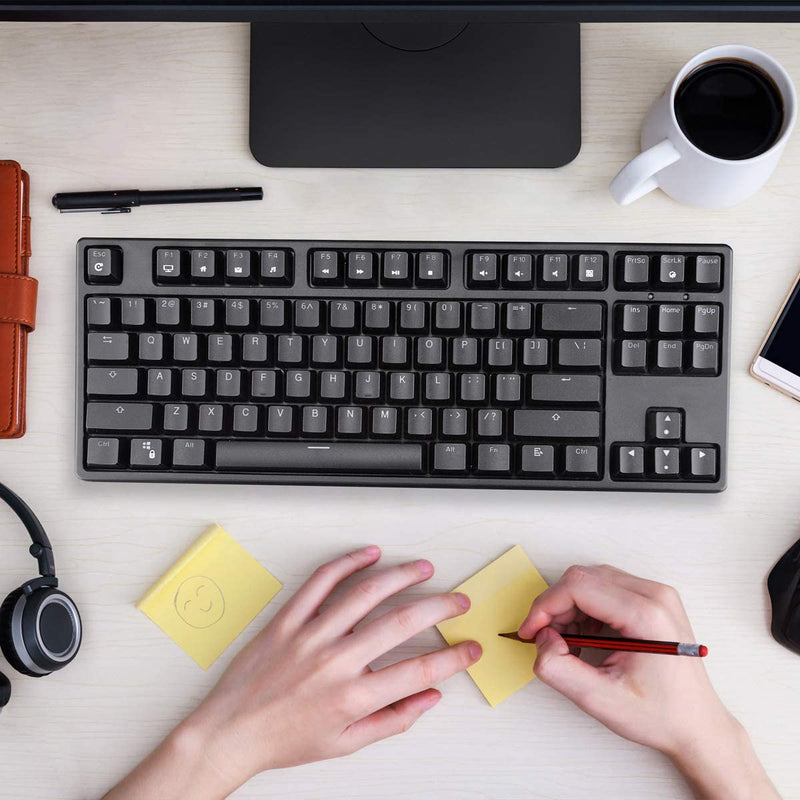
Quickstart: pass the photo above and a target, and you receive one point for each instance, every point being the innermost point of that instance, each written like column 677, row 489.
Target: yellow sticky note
column 501, row 595
column 209, row 595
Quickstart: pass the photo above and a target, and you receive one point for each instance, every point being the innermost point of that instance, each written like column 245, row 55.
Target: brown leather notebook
column 17, row 296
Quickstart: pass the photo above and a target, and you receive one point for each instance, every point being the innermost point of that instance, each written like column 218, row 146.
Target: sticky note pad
column 501, row 596
column 209, row 595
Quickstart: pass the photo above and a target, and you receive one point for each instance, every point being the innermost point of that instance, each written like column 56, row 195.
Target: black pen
column 122, row 201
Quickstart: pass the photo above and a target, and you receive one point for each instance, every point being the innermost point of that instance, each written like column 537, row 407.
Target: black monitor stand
column 406, row 95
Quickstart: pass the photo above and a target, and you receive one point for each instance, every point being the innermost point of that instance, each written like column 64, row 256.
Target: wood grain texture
column 163, row 105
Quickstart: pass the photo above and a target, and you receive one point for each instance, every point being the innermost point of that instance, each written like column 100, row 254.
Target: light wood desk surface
column 165, row 105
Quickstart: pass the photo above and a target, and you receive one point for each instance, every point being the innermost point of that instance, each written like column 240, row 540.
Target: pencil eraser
column 703, row 650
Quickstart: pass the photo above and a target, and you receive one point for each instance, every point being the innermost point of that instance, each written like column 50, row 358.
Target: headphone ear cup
column 6, row 636
column 5, row 691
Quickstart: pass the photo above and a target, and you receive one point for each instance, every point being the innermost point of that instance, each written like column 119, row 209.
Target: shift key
column 575, row 317
column 119, row 416
column 557, row 424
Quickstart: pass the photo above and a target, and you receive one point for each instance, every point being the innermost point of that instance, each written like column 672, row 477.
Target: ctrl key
column 102, row 452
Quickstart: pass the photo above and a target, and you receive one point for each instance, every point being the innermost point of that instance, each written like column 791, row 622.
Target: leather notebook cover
column 17, row 297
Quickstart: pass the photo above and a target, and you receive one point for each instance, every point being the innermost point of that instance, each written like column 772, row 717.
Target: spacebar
column 320, row 457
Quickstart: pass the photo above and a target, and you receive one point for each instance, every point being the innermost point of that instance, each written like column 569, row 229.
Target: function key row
column 676, row 271
column 369, row 316
column 235, row 266
column 368, row 268
column 668, row 319
column 519, row 270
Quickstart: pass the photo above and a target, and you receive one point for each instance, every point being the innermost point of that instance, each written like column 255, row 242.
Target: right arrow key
column 703, row 462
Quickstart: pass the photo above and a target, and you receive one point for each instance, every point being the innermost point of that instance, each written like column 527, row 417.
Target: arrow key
column 665, row 425
column 631, row 461
column 666, row 462
column 703, row 462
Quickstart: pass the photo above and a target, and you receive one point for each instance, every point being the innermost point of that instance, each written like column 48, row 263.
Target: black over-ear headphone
column 40, row 627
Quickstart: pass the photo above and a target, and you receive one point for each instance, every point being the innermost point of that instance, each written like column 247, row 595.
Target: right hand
column 664, row 702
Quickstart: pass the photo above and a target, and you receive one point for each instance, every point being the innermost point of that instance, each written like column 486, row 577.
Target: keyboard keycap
column 103, row 265
column 203, row 265
column 107, row 347
column 494, row 458
column 168, row 265
column 188, row 453
column 580, row 353
column 703, row 462
column 572, row 317
column 238, row 266
column 396, row 270
column 706, row 319
column 364, row 457
column 708, row 273
column 705, row 358
column 519, row 271
column 112, row 382
column 98, row 311
column 671, row 270
column 669, row 356
column 565, row 388
column 146, row 453
column 483, row 271
column 665, row 426
column 538, row 460
column 634, row 318
column 666, row 461
column 431, row 269
column 360, row 268
column 450, row 457
column 561, row 424
column 670, row 318
column 326, row 268
column 631, row 461
column 275, row 268
column 119, row 416
column 633, row 355
column 133, row 312
column 636, row 271
column 581, row 460
column 102, row 452
column 555, row 270
column 591, row 271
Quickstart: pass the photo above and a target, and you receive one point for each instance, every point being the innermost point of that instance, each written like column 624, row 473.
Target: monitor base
column 463, row 96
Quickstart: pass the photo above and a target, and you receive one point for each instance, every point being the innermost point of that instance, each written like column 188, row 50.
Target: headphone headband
column 40, row 548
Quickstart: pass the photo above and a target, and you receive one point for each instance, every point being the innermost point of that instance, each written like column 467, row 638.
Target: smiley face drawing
column 199, row 602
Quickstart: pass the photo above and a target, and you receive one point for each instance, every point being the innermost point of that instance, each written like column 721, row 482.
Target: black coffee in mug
column 729, row 109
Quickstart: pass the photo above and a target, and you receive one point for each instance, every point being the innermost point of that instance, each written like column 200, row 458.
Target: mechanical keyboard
column 505, row 365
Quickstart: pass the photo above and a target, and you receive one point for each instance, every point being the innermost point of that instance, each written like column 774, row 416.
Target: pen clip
column 123, row 210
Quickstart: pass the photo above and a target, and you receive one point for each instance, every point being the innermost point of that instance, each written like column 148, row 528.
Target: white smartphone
column 778, row 360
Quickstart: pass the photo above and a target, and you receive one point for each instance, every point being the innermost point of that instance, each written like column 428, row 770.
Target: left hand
column 303, row 691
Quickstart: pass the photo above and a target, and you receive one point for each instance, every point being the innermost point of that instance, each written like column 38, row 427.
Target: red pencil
column 621, row 643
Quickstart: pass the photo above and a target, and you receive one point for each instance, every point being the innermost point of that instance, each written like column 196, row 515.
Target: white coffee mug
column 686, row 173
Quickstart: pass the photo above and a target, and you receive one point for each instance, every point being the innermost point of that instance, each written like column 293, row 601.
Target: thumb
column 578, row 681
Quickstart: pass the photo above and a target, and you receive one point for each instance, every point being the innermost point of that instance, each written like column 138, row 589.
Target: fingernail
column 372, row 550
column 425, row 567
column 475, row 651
column 463, row 600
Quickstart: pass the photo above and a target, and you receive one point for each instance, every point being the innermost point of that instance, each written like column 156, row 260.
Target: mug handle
column 637, row 177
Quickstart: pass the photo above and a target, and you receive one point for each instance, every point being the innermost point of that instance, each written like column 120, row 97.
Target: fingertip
column 425, row 567
column 531, row 625
column 475, row 651
column 462, row 600
column 429, row 699
column 373, row 551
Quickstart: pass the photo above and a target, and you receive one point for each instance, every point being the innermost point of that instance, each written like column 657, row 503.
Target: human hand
column 302, row 689
column 664, row 702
